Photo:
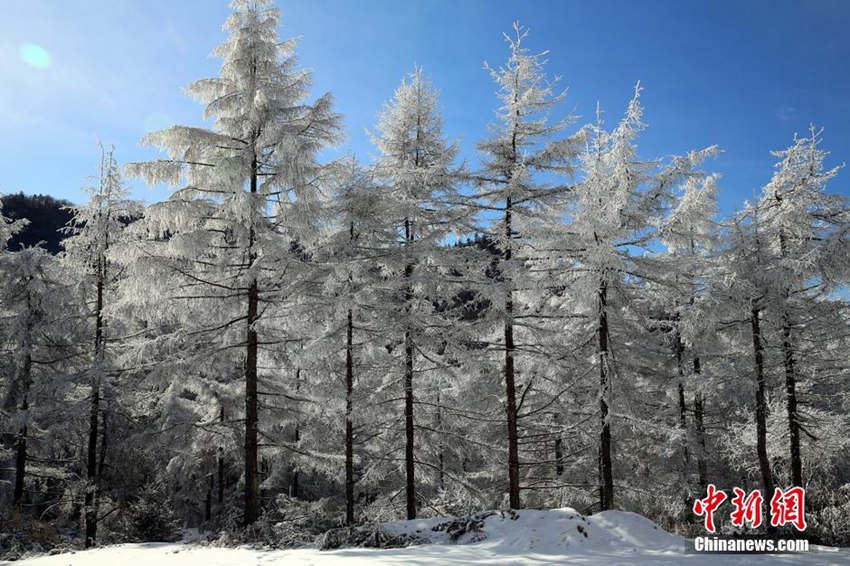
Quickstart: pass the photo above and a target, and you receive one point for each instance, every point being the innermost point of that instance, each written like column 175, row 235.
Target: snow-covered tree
column 519, row 159
column 249, row 188
column 805, row 234
column 423, row 207
column 8, row 228
column 94, row 228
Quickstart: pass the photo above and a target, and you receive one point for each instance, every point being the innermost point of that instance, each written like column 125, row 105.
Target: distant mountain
column 46, row 217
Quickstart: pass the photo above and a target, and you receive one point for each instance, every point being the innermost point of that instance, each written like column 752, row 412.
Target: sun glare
column 35, row 55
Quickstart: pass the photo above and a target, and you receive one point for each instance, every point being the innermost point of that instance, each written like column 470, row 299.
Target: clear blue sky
column 743, row 75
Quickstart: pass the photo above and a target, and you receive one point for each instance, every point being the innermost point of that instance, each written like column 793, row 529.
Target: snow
column 535, row 538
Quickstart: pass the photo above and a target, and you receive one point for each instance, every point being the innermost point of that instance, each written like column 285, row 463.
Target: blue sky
column 743, row 75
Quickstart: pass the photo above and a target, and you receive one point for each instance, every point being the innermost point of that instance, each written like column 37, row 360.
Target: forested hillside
column 46, row 218
column 289, row 344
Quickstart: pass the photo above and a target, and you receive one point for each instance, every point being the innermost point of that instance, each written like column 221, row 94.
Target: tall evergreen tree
column 95, row 227
column 249, row 186
column 424, row 208
column 518, row 159
column 806, row 235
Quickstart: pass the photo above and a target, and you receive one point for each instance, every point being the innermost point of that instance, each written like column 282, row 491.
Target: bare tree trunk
column 252, row 499
column 440, row 456
column 606, row 472
column 20, row 460
column 409, row 459
column 102, row 464
column 699, row 426
column 221, row 470
column 295, row 487
column 559, row 447
column 510, row 376
column 790, row 384
column 761, row 403
column 208, row 501
column 349, row 425
column 791, row 398
column 94, row 415
column 683, row 407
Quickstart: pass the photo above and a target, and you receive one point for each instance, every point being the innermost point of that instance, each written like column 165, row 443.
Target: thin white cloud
column 785, row 112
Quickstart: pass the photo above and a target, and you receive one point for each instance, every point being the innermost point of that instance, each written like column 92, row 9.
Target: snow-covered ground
column 535, row 538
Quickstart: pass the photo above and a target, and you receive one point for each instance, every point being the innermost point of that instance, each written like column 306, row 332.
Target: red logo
column 709, row 505
column 786, row 507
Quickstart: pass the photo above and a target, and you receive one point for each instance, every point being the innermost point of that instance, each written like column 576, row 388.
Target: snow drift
column 523, row 538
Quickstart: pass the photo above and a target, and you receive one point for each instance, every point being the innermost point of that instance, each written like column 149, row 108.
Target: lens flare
column 35, row 55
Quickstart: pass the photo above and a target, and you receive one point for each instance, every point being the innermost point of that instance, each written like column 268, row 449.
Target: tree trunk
column 94, row 416
column 221, row 469
column 349, row 425
column 683, row 407
column 606, row 472
column 20, row 462
column 208, row 501
column 699, row 426
column 440, row 448
column 790, row 384
column 252, row 499
column 102, row 464
column 408, row 427
column 510, row 377
column 410, row 484
column 295, row 487
column 559, row 447
column 791, row 397
column 21, row 445
column 761, row 403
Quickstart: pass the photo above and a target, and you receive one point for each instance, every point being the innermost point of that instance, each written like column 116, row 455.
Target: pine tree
column 416, row 165
column 805, row 234
column 521, row 148
column 95, row 227
column 250, row 184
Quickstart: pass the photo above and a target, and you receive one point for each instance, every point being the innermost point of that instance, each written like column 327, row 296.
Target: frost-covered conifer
column 95, row 227
column 805, row 232
column 519, row 159
column 249, row 189
column 423, row 207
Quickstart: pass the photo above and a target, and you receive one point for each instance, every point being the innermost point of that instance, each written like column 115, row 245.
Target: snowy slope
column 534, row 538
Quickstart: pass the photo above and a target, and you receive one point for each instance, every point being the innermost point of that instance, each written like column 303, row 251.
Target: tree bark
column 252, row 499
column 409, row 449
column 791, row 398
column 295, row 487
column 349, row 425
column 102, row 463
column 683, row 407
column 221, row 469
column 94, row 415
column 699, row 426
column 510, row 377
column 208, row 501
column 606, row 472
column 761, row 402
column 20, row 461
column 559, row 448
column 790, row 382
column 440, row 447
column 25, row 377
